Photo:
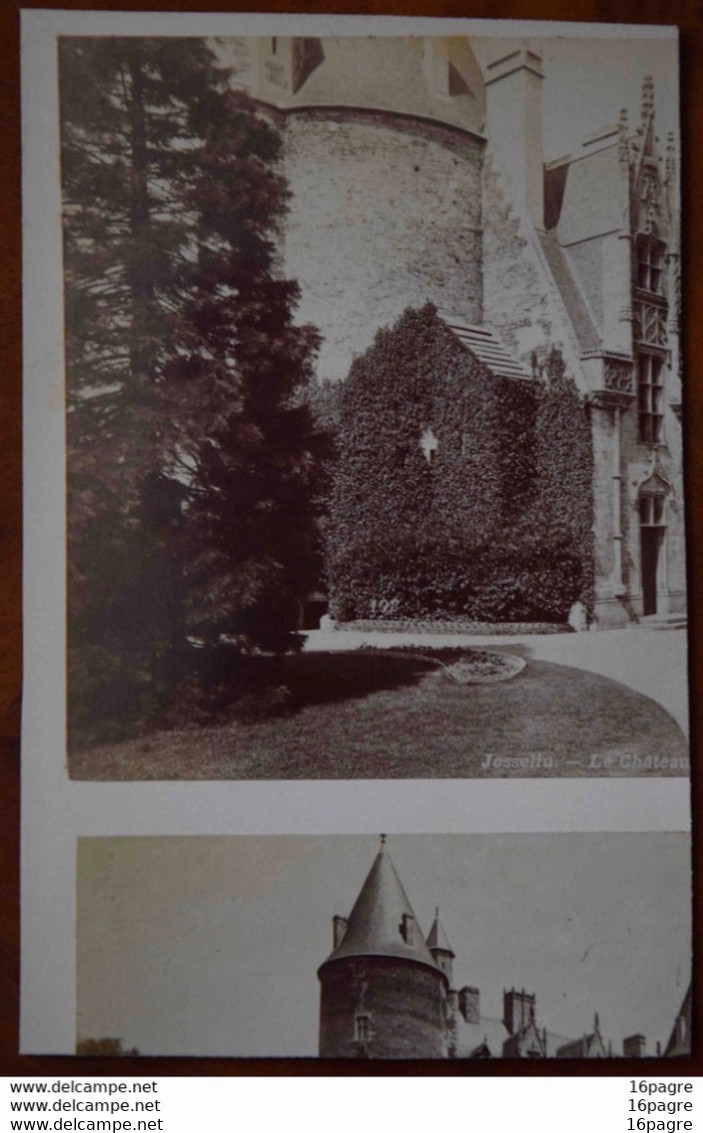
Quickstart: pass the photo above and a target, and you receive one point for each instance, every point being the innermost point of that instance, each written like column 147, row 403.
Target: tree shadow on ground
column 223, row 684
column 327, row 678
column 369, row 716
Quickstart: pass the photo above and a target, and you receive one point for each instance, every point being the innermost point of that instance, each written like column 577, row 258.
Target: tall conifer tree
column 190, row 452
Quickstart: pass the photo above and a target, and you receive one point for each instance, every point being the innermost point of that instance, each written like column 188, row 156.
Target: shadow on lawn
column 326, row 678
column 221, row 685
column 362, row 715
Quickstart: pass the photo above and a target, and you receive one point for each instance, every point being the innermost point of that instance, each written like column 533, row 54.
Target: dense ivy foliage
column 456, row 492
column 563, row 517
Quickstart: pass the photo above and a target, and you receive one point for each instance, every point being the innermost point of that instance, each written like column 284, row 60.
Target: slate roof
column 588, row 1046
column 375, row 922
column 489, row 1034
column 593, row 194
column 386, row 73
column 581, row 319
column 492, row 1034
column 487, row 348
column 680, row 1039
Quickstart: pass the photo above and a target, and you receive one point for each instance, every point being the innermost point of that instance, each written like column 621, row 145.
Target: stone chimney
column 635, row 1046
column 518, row 1010
column 470, row 1004
column 514, row 123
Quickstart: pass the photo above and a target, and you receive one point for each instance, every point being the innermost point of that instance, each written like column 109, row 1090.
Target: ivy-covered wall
column 445, row 497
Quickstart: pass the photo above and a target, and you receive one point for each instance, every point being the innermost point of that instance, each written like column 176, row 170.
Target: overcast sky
column 211, row 945
column 587, row 82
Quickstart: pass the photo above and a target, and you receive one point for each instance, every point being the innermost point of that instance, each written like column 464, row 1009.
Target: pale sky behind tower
column 587, row 82
column 211, row 945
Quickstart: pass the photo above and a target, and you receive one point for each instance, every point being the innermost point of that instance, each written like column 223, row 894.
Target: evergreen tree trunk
column 191, row 455
column 141, row 286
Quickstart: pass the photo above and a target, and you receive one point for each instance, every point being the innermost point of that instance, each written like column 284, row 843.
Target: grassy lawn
column 365, row 715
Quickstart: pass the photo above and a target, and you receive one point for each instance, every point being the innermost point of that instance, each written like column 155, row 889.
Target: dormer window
column 407, row 929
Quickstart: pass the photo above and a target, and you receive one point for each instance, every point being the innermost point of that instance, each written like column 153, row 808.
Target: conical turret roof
column 437, row 938
column 375, row 924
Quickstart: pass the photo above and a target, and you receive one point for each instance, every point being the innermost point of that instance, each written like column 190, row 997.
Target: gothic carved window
column 650, row 397
column 650, row 323
column 362, row 1032
column 652, row 509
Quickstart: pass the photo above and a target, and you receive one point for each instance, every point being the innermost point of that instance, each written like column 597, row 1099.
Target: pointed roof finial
column 670, row 156
column 648, row 96
column 623, row 148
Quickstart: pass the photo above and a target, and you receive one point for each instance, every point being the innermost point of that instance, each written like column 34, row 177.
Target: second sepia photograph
column 466, row 946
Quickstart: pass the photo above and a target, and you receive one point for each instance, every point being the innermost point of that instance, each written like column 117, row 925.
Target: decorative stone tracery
column 649, row 321
column 618, row 376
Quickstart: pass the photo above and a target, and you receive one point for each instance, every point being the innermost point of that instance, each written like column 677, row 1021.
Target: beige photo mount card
column 354, row 470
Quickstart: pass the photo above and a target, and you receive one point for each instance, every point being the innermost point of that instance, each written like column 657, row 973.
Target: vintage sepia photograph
column 373, row 407
column 373, row 394
column 564, row 946
column 354, row 495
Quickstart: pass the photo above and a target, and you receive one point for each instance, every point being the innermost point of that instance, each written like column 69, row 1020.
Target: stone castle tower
column 382, row 993
column 387, row 991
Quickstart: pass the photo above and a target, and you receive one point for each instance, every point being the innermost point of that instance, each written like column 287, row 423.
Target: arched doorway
column 652, row 515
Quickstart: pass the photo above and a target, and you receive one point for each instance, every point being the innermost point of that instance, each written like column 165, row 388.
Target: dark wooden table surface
column 688, row 15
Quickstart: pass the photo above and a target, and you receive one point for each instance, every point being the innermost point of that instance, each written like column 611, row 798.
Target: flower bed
column 484, row 629
column 462, row 666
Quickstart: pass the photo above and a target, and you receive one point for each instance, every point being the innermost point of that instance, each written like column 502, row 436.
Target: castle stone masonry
column 417, row 176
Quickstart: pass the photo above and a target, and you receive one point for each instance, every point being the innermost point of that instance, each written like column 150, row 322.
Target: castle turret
column 440, row 947
column 382, row 995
